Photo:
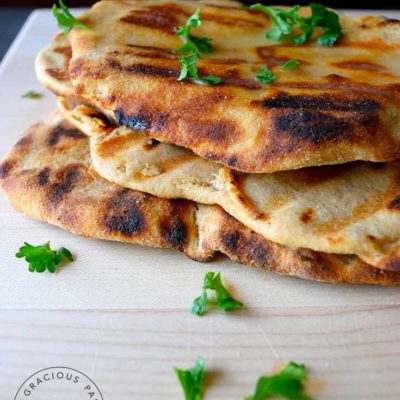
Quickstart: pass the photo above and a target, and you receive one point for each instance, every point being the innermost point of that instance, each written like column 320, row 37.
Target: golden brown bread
column 47, row 175
column 344, row 209
column 348, row 209
column 341, row 105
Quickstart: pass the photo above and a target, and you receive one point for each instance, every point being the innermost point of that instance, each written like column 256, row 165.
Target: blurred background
column 14, row 12
column 394, row 4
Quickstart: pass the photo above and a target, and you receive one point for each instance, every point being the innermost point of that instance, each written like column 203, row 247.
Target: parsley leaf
column 43, row 257
column 284, row 20
column 191, row 51
column 212, row 281
column 211, row 79
column 328, row 21
column 31, row 95
column 290, row 64
column 264, row 75
column 191, row 380
column 287, row 383
column 65, row 20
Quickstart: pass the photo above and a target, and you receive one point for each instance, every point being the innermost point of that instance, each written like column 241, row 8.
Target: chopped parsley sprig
column 212, row 281
column 191, row 51
column 31, row 95
column 191, row 380
column 65, row 20
column 285, row 20
column 287, row 383
column 290, row 64
column 42, row 258
column 265, row 76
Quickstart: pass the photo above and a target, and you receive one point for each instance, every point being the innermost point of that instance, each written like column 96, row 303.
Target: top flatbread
column 341, row 105
column 47, row 175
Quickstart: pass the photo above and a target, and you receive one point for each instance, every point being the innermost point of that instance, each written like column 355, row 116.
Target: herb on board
column 287, row 383
column 42, row 258
column 31, row 95
column 191, row 380
column 212, row 281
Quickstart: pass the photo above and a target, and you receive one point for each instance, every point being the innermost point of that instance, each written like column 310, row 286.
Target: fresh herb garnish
column 265, row 76
column 65, row 20
column 42, row 258
column 191, row 380
column 284, row 20
column 192, row 49
column 31, row 95
column 212, row 281
column 290, row 64
column 287, row 384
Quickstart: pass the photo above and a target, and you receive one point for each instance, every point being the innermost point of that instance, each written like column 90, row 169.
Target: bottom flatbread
column 47, row 175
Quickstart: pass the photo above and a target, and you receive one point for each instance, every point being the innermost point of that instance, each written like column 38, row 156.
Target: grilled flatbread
column 349, row 209
column 341, row 105
column 47, row 176
column 346, row 209
column 51, row 66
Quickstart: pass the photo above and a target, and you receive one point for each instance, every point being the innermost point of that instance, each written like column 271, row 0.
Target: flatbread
column 51, row 66
column 346, row 209
column 341, row 105
column 47, row 176
column 349, row 209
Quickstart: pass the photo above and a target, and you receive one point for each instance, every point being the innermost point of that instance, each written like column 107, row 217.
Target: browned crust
column 60, row 188
column 350, row 112
column 227, row 235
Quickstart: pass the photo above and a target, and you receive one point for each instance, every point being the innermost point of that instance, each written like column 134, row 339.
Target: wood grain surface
column 351, row 353
column 118, row 313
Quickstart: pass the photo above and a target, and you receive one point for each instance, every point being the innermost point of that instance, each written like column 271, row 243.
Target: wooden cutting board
column 119, row 312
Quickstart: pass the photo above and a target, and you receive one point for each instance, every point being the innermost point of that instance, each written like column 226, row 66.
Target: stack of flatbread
column 298, row 177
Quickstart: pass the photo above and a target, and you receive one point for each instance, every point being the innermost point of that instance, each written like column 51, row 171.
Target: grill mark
column 321, row 103
column 144, row 69
column 259, row 254
column 359, row 65
column 24, row 141
column 151, row 70
column 393, row 265
column 6, row 167
column 123, row 214
column 64, row 50
column 139, row 122
column 151, row 144
column 151, row 48
column 218, row 131
column 58, row 74
column 101, row 117
column 158, row 17
column 307, row 215
column 230, row 240
column 314, row 127
column 232, row 161
column 43, row 177
column 176, row 236
column 59, row 131
column 67, row 181
column 394, row 204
